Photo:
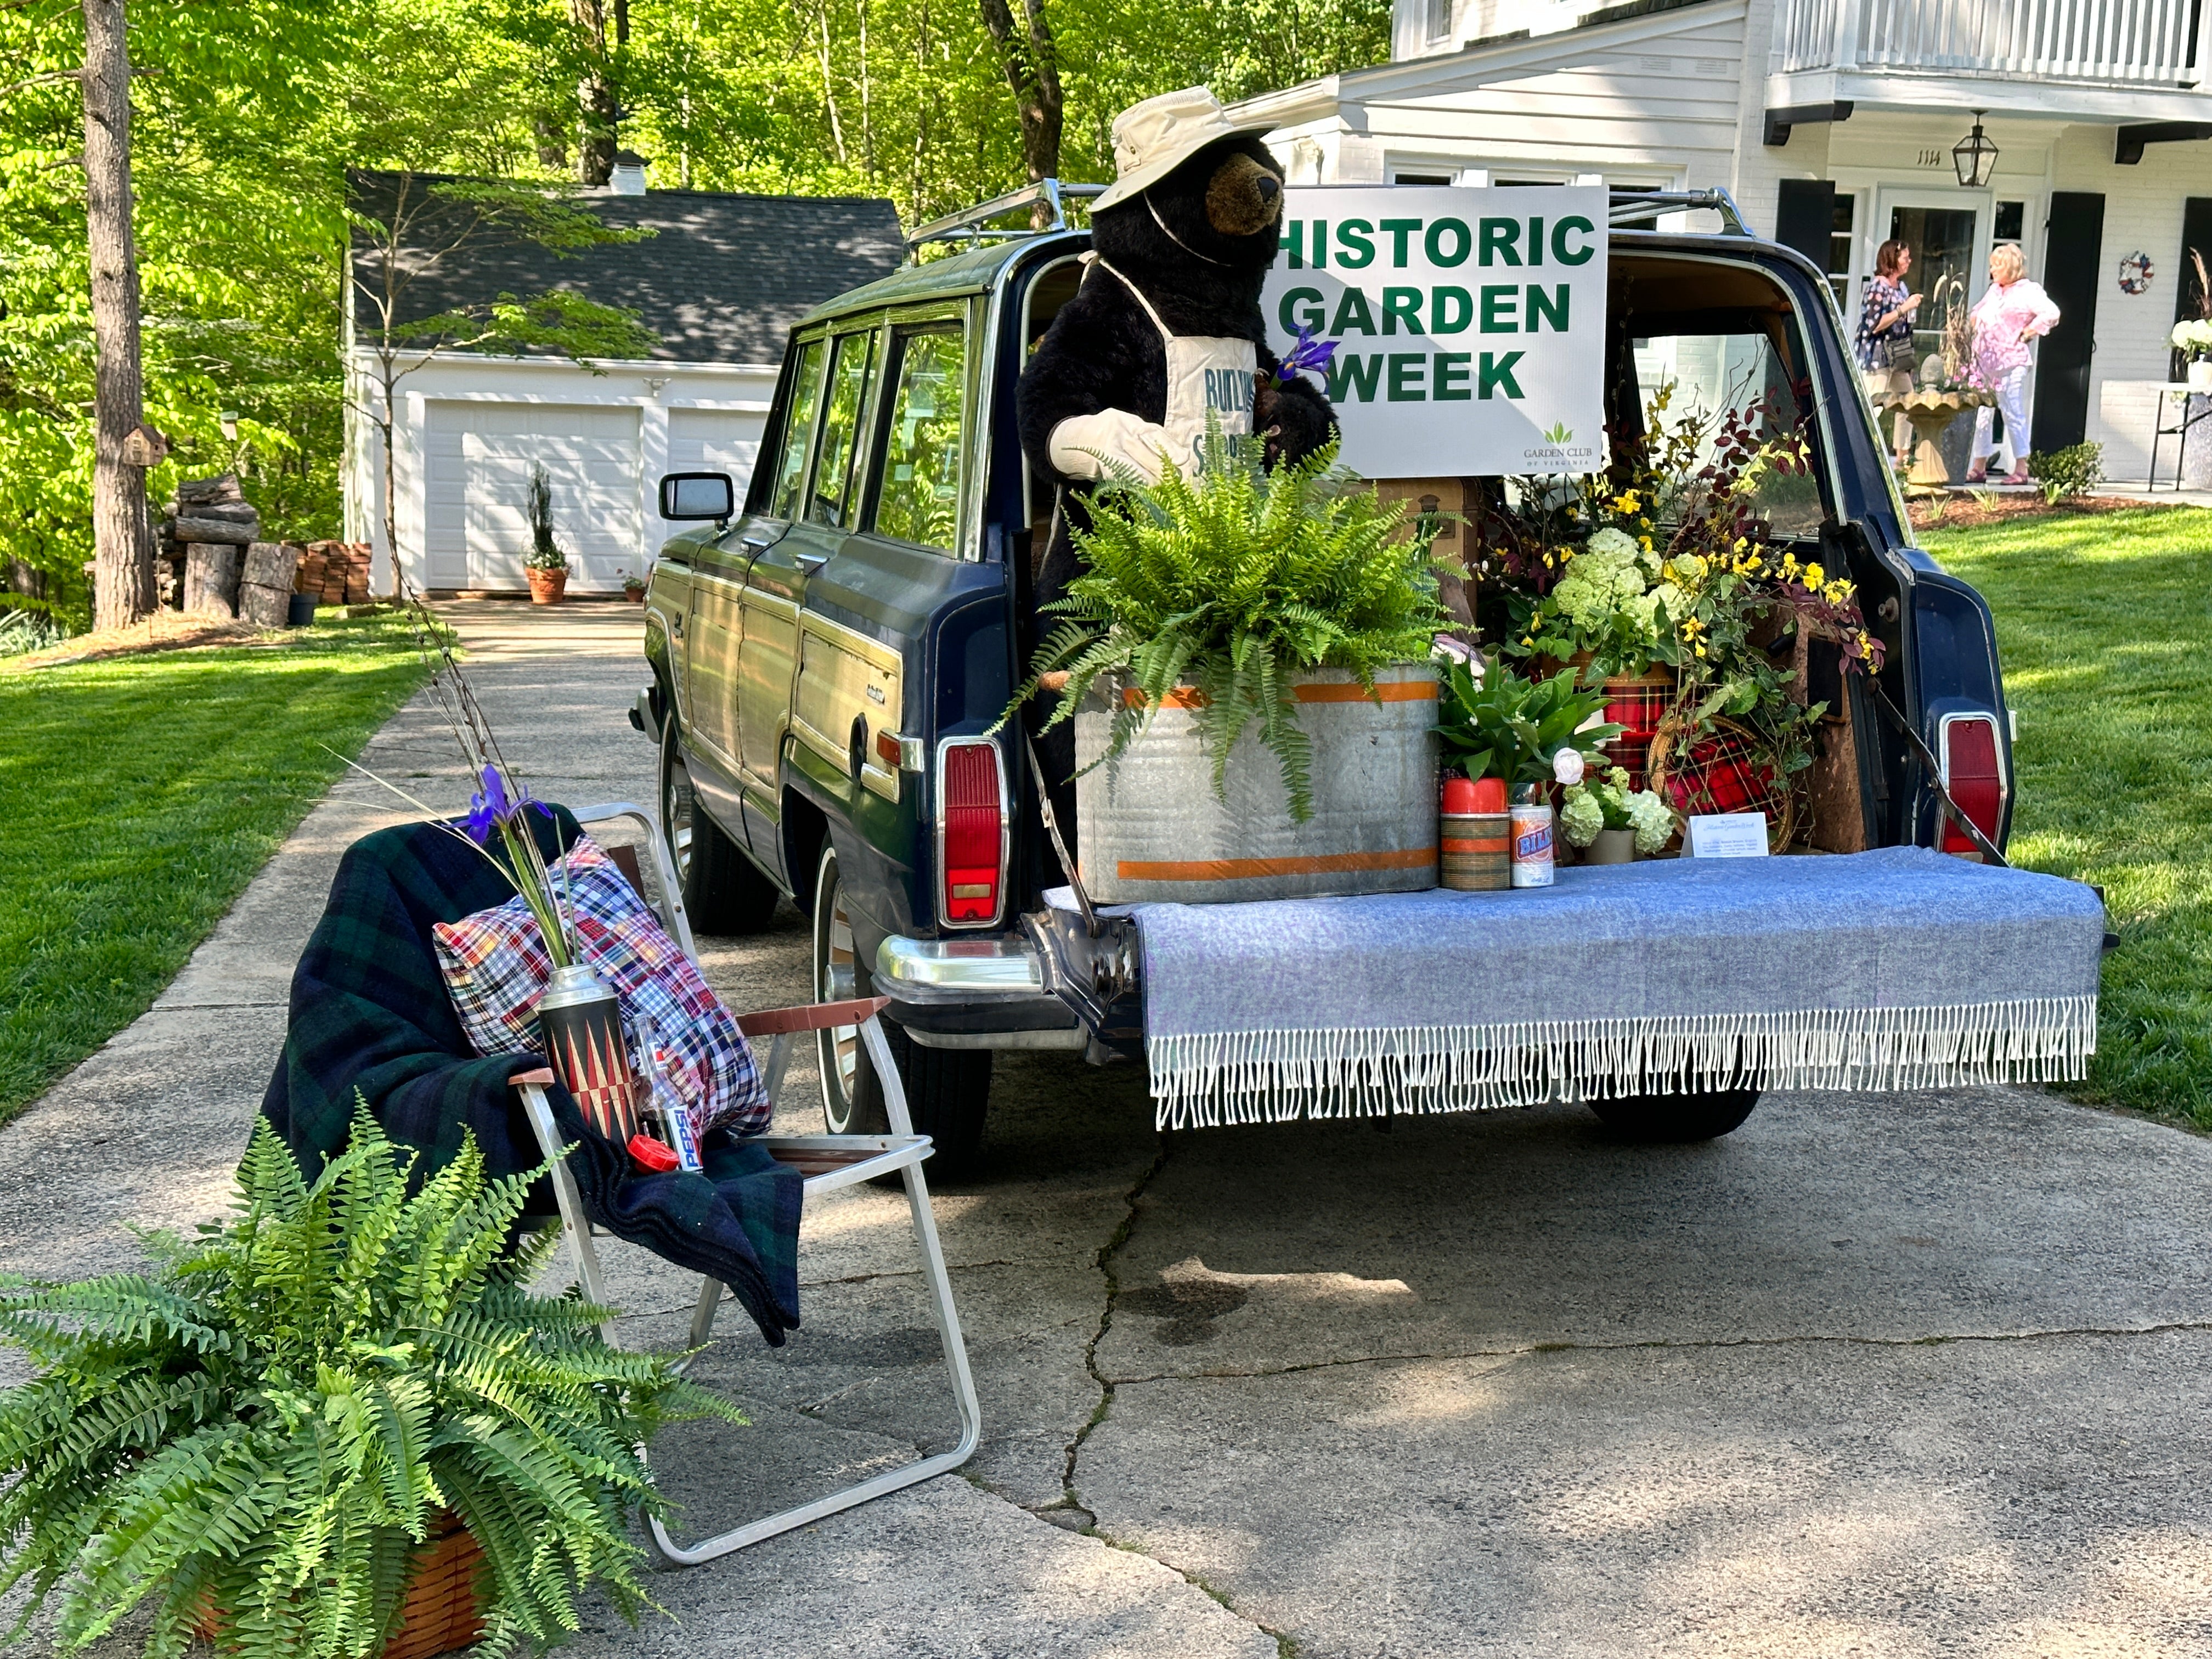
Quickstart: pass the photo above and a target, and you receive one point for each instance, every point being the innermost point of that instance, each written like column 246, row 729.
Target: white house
column 1833, row 123
column 720, row 281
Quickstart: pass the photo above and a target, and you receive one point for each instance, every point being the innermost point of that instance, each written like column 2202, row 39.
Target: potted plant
column 544, row 564
column 1283, row 604
column 1530, row 734
column 1614, row 819
column 293, row 1434
column 632, row 587
column 2193, row 339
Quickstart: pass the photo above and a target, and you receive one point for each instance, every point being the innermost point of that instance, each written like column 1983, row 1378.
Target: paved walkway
column 1876, row 1375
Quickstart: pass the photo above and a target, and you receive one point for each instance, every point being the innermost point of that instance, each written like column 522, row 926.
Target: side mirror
column 697, row 496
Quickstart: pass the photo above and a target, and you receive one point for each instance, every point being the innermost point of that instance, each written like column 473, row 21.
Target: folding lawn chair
column 827, row 1162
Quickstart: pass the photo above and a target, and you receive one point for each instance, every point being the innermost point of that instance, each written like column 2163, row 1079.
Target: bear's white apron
column 1206, row 374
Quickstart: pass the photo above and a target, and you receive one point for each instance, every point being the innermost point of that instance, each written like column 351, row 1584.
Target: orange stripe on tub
column 1324, row 864
column 1189, row 697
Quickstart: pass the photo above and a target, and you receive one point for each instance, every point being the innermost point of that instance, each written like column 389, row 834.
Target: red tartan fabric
column 1724, row 773
column 1637, row 709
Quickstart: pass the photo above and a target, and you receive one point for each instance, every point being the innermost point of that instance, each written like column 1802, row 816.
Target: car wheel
column 1656, row 1120
column 723, row 891
column 948, row 1090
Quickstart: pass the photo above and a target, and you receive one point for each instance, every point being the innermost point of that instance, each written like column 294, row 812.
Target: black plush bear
column 1188, row 255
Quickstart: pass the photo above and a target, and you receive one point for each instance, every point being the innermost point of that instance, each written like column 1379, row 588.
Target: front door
column 1948, row 235
column 776, row 580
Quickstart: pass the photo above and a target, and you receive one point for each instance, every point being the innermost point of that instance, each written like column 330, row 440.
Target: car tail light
column 1974, row 771
column 972, row 839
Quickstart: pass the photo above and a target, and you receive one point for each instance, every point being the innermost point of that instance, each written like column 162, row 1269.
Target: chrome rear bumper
column 1001, row 969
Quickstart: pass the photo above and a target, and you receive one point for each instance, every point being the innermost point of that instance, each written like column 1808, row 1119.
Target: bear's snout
column 1244, row 197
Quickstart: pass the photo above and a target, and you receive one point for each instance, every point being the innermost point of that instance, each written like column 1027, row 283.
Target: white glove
column 1081, row 446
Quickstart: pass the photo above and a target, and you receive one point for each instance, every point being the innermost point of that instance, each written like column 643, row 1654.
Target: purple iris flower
column 488, row 807
column 1307, row 353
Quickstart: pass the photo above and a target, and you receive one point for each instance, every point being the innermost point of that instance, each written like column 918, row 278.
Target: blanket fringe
column 1209, row 1079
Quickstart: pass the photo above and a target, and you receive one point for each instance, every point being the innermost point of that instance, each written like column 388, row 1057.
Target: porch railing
column 2144, row 43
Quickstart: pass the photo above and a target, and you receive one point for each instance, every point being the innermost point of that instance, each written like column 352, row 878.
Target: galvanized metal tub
column 1151, row 828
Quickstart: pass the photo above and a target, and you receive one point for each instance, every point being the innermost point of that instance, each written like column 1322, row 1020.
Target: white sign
column 1470, row 324
column 1728, row 836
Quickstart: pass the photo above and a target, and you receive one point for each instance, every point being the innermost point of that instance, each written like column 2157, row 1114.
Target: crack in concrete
column 1104, row 1261
column 1224, row 1375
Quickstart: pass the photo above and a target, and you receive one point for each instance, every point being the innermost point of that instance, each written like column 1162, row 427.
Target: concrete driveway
column 1875, row 1375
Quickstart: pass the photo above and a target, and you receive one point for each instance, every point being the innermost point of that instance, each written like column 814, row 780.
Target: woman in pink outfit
column 2011, row 311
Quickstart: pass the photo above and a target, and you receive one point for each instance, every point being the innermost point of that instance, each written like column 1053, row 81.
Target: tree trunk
column 122, row 535
column 595, row 95
column 1031, row 63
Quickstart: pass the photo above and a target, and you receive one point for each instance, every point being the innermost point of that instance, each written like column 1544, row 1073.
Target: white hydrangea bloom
column 1649, row 817
column 1580, row 818
column 1612, row 547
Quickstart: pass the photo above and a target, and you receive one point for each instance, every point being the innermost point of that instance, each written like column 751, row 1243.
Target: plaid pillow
column 497, row 968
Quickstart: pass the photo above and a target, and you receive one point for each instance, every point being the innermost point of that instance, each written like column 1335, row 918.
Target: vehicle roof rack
column 971, row 225
column 1640, row 204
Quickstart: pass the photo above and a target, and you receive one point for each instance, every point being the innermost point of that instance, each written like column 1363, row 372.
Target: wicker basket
column 439, row 1613
column 1722, row 771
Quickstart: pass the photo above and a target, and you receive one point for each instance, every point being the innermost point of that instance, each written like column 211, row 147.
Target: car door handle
column 811, row 563
column 757, row 546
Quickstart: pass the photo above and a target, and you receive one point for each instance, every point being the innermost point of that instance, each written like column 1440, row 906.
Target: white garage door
column 715, row 440
column 478, row 482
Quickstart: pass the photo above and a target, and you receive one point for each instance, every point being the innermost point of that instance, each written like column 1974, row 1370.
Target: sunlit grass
column 141, row 795
column 2105, row 626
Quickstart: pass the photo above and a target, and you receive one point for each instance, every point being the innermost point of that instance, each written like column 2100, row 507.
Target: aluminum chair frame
column 830, row 1162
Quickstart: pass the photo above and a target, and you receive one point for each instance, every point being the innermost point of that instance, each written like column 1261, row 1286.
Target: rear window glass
column 1710, row 375
column 798, row 431
column 841, row 429
column 920, row 501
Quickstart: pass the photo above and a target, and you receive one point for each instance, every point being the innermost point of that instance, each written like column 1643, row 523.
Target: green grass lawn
column 2105, row 625
column 143, row 794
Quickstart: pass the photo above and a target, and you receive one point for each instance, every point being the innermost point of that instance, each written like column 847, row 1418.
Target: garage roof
column 722, row 280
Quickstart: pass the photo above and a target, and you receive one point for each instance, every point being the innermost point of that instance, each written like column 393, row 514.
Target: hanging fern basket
column 440, row 1612
column 1168, row 820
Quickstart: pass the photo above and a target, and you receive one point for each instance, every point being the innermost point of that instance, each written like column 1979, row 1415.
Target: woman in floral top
column 2010, row 313
column 1885, row 332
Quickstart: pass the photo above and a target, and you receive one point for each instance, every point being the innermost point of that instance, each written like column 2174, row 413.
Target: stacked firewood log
column 218, row 564
column 335, row 573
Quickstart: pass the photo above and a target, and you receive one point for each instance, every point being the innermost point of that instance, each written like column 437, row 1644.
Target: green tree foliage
column 249, row 112
column 267, row 1426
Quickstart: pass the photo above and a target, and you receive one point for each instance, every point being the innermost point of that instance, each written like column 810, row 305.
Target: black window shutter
column 2074, row 260
column 2188, row 292
column 1805, row 217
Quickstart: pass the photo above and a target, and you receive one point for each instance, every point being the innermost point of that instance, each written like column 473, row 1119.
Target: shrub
column 2065, row 474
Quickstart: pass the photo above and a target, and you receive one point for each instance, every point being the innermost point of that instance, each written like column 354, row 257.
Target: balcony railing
column 2136, row 43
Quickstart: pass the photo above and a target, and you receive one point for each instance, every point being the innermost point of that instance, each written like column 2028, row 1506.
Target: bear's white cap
column 1153, row 138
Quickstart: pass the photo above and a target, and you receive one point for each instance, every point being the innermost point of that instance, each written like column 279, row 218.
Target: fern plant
column 1231, row 581
column 261, row 1432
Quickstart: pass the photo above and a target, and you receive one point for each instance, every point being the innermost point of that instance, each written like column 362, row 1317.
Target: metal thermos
column 580, row 1028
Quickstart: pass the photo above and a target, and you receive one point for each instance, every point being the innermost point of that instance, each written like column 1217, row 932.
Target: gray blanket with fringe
column 1900, row 968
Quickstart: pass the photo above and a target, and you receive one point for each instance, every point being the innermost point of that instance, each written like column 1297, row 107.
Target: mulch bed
column 165, row 630
column 1962, row 511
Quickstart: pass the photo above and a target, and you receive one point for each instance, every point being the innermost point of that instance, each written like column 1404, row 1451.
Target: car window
column 833, row 489
column 798, row 431
column 920, row 497
column 1712, row 375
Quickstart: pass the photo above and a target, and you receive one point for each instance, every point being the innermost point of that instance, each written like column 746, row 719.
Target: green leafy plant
column 2066, row 474
column 262, row 1430
column 545, row 552
column 1231, row 581
column 1504, row 726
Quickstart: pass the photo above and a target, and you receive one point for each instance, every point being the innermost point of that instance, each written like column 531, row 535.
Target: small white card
column 1729, row 836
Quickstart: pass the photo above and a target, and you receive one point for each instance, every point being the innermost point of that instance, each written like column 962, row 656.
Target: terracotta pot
column 546, row 587
column 439, row 1612
column 634, row 595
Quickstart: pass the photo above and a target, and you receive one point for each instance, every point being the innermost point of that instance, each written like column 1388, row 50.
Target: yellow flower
column 1740, row 543
column 1667, row 571
column 1701, row 650
column 1814, row 576
column 1645, row 542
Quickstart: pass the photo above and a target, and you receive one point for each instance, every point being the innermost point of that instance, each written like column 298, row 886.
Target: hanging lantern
column 1974, row 156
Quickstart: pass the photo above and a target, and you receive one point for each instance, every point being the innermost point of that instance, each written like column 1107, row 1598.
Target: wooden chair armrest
column 811, row 1017
column 543, row 1077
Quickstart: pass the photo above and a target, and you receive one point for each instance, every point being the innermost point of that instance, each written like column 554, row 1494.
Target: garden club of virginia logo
column 1559, row 450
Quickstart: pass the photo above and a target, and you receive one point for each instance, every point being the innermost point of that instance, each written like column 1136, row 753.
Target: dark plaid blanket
column 370, row 1016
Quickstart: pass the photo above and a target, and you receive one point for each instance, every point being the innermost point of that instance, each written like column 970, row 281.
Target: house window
column 1440, row 20
column 798, row 431
column 1839, row 250
column 841, row 429
column 1420, row 178
column 919, row 498
column 2010, row 224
